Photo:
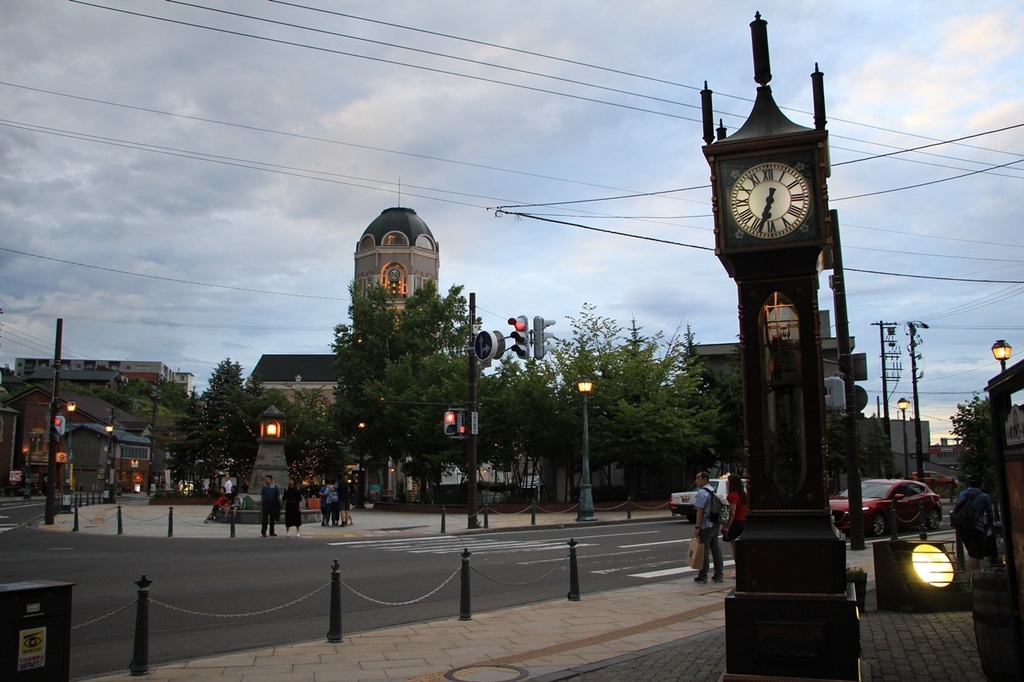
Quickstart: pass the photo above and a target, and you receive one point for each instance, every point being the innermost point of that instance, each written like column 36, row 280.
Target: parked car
column 877, row 499
column 681, row 504
column 937, row 481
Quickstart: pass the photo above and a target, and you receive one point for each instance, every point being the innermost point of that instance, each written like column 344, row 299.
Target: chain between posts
column 557, row 567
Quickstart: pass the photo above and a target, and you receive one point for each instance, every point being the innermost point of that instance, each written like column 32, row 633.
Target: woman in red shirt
column 736, row 496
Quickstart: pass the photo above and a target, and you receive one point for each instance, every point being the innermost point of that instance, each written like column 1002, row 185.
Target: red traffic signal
column 59, row 424
column 518, row 322
column 451, row 423
column 520, row 336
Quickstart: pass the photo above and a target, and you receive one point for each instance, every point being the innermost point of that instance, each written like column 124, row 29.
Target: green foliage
column 972, row 425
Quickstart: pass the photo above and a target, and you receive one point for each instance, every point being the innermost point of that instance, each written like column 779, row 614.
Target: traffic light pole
column 846, row 367
column 51, row 462
column 471, row 441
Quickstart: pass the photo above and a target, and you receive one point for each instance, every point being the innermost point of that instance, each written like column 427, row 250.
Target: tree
column 972, row 425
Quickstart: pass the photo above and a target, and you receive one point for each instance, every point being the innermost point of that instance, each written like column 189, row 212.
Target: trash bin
column 35, row 631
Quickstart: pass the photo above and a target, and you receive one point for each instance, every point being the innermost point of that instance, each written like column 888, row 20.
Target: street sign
column 489, row 345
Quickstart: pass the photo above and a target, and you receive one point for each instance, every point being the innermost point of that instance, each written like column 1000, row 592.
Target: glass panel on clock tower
column 782, row 401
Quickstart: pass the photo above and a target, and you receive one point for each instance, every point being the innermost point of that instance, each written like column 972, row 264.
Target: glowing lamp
column 932, row 565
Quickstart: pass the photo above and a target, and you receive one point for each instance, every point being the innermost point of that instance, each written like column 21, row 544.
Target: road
column 212, row 596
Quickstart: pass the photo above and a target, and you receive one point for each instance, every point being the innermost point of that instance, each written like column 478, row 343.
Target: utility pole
column 891, row 367
column 912, row 328
column 51, row 461
column 472, row 521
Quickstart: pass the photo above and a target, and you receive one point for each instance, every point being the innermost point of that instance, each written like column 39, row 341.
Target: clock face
column 770, row 200
column 394, row 274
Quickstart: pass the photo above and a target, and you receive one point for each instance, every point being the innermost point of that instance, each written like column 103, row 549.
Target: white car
column 681, row 504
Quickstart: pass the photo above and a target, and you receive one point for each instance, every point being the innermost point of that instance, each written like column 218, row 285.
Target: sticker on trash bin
column 32, row 653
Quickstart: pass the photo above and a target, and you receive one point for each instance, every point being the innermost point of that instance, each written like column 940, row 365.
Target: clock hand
column 767, row 213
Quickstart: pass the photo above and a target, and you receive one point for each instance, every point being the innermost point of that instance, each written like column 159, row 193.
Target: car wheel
column 934, row 518
column 878, row 524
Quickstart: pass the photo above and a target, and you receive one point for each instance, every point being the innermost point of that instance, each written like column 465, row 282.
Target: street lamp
column 586, row 512
column 111, row 474
column 1002, row 350
column 902, row 404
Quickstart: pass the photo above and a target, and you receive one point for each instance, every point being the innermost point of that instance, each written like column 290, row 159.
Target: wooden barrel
column 994, row 626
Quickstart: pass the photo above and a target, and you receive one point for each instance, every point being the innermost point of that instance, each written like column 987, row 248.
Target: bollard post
column 629, row 507
column 574, row 572
column 334, row 629
column 140, row 652
column 465, row 609
column 75, row 529
column 232, row 512
column 120, row 524
column 170, row 522
column 533, row 513
column 894, row 533
column 442, row 519
column 486, row 525
column 922, row 531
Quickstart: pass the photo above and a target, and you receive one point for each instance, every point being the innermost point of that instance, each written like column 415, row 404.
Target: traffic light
column 58, row 424
column 520, row 336
column 451, row 423
column 460, row 429
column 541, row 337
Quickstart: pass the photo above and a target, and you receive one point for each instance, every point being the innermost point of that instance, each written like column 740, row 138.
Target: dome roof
column 402, row 220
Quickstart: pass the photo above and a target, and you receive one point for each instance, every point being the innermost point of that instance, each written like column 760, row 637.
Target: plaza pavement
column 677, row 633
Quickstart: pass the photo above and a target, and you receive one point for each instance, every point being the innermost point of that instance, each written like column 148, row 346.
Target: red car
column 877, row 499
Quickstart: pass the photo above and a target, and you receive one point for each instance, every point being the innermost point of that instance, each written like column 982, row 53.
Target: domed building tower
column 396, row 251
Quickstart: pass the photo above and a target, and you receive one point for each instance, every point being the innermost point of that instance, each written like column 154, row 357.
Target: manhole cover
column 486, row 673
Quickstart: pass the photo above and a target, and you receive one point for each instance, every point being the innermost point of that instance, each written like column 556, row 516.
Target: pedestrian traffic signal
column 520, row 336
column 58, row 424
column 451, row 423
column 541, row 337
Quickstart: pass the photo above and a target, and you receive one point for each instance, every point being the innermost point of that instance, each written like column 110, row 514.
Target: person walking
column 707, row 527
column 736, row 497
column 270, row 505
column 292, row 498
column 974, row 539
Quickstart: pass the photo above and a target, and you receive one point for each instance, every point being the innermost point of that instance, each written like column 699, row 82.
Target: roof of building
column 398, row 219
column 288, row 368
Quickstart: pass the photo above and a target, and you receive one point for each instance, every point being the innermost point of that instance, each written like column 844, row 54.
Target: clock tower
column 396, row 251
column 790, row 614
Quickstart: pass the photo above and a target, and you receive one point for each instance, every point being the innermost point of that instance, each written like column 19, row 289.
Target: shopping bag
column 695, row 554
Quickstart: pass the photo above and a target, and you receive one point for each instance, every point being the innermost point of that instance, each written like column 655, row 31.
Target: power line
column 170, row 279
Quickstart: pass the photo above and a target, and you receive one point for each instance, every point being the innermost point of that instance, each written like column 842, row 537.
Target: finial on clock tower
column 759, row 39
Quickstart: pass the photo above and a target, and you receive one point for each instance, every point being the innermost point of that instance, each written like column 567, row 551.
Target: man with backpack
column 709, row 518
column 973, row 505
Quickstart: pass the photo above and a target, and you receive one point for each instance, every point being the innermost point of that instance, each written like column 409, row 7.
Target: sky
column 186, row 182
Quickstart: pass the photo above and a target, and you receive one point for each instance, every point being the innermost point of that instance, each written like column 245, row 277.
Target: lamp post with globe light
column 586, row 511
column 902, row 404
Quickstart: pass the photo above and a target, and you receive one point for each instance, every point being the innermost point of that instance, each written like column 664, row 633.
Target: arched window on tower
column 395, row 239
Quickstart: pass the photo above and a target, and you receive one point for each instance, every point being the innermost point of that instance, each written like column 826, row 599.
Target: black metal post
column 334, row 629
column 574, row 572
column 140, row 652
column 533, row 513
column 232, row 512
column 894, row 533
column 442, row 520
column 629, row 507
column 922, row 526
column 170, row 522
column 120, row 523
column 465, row 608
column 486, row 519
column 75, row 529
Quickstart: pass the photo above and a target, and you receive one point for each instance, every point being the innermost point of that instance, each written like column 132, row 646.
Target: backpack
column 715, row 513
column 964, row 516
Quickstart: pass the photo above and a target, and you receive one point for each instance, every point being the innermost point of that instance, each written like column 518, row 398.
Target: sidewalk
column 670, row 630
